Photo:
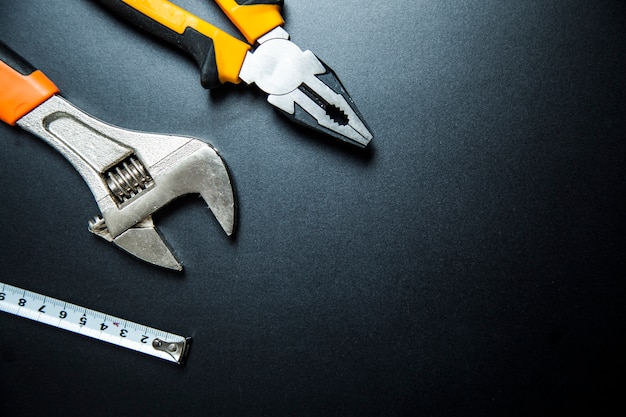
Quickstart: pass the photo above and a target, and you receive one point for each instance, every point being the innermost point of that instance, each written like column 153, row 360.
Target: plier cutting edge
column 297, row 83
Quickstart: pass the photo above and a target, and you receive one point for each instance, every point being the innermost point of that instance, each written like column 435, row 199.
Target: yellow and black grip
column 218, row 54
column 22, row 86
column 253, row 18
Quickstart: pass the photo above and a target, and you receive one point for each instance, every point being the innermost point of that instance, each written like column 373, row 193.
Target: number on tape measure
column 91, row 323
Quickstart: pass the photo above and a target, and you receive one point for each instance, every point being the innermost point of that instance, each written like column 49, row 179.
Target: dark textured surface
column 470, row 262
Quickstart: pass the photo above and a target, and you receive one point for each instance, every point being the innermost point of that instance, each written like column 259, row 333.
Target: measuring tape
column 95, row 324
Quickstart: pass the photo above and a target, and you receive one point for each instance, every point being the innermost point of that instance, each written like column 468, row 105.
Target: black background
column 469, row 262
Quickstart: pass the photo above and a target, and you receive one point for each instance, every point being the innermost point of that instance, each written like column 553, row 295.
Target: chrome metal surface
column 176, row 349
column 291, row 77
column 133, row 174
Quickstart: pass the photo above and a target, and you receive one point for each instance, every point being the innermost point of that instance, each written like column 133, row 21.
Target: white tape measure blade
column 94, row 324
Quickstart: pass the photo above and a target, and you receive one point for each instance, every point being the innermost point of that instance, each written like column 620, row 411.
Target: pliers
column 301, row 86
column 131, row 174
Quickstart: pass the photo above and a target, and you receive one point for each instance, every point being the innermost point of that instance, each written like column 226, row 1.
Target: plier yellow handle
column 253, row 18
column 219, row 55
column 296, row 82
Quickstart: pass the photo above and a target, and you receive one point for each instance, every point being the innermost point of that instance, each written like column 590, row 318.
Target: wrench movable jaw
column 133, row 174
column 142, row 241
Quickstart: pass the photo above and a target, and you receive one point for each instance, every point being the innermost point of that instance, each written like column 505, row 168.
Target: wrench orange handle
column 22, row 86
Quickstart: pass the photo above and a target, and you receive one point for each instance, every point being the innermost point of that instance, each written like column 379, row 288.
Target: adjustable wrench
column 131, row 174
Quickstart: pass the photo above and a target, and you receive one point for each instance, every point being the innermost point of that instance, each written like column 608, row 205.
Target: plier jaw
column 303, row 88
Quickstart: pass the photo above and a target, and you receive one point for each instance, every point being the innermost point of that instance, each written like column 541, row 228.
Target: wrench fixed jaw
column 133, row 174
column 303, row 88
column 194, row 168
